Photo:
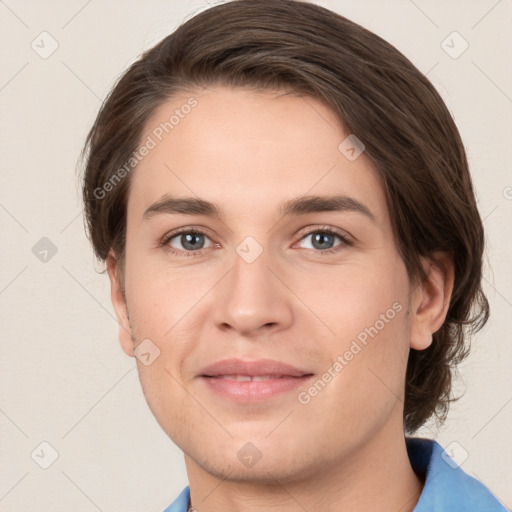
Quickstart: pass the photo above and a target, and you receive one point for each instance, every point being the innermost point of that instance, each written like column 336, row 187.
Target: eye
column 325, row 240
column 186, row 242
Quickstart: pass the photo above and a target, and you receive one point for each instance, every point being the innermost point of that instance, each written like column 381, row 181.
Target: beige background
column 63, row 377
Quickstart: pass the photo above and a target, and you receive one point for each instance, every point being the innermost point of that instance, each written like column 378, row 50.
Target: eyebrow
column 299, row 206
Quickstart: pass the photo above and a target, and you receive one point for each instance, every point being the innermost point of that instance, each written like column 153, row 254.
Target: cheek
column 163, row 308
column 365, row 383
column 360, row 300
column 367, row 311
column 164, row 396
column 156, row 301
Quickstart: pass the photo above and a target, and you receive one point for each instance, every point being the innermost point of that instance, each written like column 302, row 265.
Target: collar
column 447, row 487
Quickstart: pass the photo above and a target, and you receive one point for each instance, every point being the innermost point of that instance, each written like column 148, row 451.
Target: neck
column 374, row 476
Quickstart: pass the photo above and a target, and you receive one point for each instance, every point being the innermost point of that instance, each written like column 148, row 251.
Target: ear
column 431, row 299
column 119, row 304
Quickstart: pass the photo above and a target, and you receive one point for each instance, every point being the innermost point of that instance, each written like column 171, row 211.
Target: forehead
column 249, row 152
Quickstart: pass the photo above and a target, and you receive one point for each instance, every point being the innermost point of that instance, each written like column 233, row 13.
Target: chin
column 245, row 461
column 263, row 472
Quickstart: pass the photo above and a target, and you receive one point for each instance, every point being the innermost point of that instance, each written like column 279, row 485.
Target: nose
column 252, row 300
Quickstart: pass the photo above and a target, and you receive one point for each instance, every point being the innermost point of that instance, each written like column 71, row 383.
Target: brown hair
column 377, row 94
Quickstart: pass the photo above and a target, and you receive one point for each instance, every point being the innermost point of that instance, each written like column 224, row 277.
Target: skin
column 248, row 152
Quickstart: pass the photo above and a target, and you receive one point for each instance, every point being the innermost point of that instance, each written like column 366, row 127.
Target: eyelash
column 187, row 254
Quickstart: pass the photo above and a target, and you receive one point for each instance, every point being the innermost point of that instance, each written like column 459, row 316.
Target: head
column 251, row 116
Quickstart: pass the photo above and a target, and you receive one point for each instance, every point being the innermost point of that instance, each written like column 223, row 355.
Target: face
column 281, row 265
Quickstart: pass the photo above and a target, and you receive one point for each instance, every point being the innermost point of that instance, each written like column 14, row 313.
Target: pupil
column 322, row 238
column 188, row 241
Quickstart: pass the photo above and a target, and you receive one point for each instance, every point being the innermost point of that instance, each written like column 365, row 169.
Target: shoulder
column 447, row 487
column 180, row 504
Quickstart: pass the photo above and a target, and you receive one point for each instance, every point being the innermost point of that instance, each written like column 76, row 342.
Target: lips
column 261, row 368
column 247, row 378
column 252, row 381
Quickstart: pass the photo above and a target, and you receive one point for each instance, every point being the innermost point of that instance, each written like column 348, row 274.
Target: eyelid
column 185, row 229
column 325, row 228
column 200, row 230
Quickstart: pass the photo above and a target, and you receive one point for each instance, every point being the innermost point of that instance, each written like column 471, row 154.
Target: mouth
column 253, row 381
column 246, row 378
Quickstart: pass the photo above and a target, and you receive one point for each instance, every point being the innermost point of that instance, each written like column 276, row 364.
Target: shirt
column 447, row 487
